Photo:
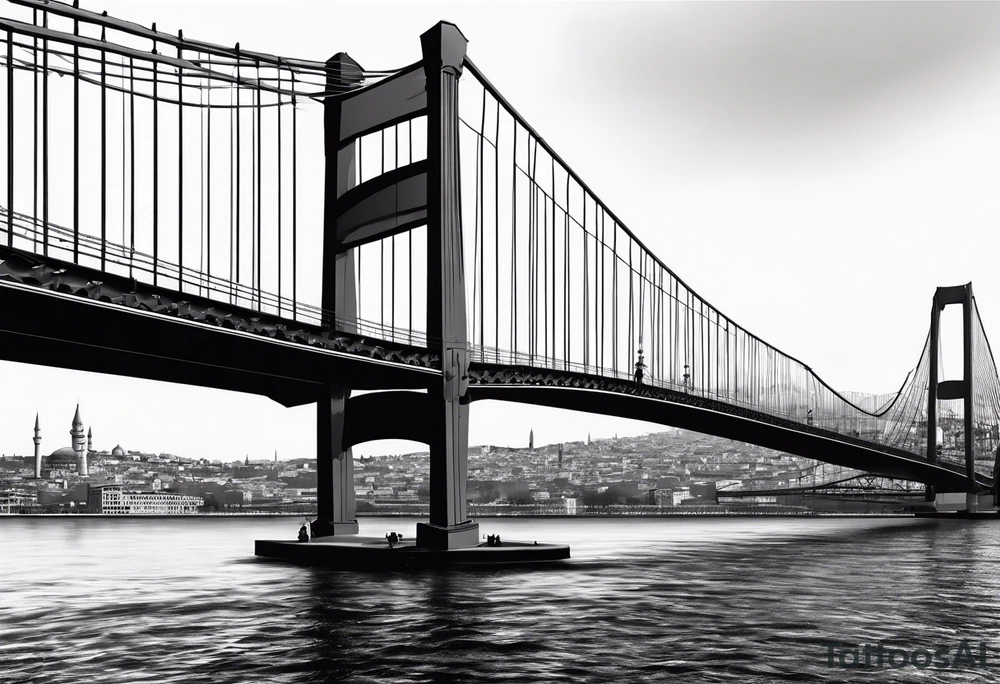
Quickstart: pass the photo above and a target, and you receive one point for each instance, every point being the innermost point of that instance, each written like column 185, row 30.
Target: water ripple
column 699, row 600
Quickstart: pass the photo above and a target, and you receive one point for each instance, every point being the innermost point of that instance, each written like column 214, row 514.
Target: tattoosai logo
column 878, row 656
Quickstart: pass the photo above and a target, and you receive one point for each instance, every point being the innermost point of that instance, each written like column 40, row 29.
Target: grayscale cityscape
column 483, row 340
column 669, row 472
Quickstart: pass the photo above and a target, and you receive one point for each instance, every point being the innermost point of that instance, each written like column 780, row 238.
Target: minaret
column 37, row 439
column 531, row 440
column 79, row 443
column 90, row 440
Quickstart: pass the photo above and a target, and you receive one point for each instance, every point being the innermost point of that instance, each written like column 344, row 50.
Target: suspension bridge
column 178, row 210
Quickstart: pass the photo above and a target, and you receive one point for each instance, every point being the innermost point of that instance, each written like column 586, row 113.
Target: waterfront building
column 15, row 501
column 114, row 499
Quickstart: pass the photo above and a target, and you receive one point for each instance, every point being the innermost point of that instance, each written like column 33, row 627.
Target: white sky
column 814, row 170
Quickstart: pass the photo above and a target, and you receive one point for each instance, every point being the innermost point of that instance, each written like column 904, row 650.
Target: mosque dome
column 118, row 452
column 61, row 457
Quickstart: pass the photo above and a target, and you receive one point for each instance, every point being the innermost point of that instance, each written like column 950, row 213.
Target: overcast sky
column 814, row 170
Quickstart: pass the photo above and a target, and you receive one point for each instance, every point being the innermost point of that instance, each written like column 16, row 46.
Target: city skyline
column 53, row 432
column 762, row 147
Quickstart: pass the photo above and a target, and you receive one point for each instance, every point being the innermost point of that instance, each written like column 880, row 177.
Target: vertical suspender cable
column 76, row 142
column 156, row 166
column 259, row 191
column 131, row 163
column 122, row 82
column 513, row 243
column 552, row 162
column 567, row 299
column 631, row 307
column 280, row 164
column 359, row 147
column 614, row 298
column 236, row 176
column 204, row 279
column 104, row 155
column 546, row 314
column 45, row 137
column 34, row 133
column 180, row 166
column 496, row 233
column 604, row 291
column 233, row 204
column 10, row 138
column 481, row 220
column 409, row 233
column 295, row 201
column 381, row 247
column 586, row 289
column 208, row 175
column 392, row 242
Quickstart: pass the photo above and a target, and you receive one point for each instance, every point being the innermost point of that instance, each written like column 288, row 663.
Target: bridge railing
column 187, row 165
column 843, row 423
column 140, row 265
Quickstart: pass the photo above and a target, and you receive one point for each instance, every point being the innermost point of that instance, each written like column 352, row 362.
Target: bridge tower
column 421, row 193
column 334, row 464
column 953, row 389
column 443, row 48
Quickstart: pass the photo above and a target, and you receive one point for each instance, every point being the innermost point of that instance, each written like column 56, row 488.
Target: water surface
column 686, row 600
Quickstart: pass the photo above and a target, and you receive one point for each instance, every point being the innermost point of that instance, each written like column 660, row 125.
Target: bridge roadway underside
column 676, row 409
column 57, row 314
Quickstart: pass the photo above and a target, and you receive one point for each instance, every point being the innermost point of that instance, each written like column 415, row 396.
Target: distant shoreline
column 588, row 516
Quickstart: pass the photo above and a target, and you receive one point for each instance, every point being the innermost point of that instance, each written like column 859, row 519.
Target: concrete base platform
column 373, row 553
column 324, row 528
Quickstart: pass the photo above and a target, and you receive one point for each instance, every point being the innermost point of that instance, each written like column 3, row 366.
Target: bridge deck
column 129, row 328
column 59, row 314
